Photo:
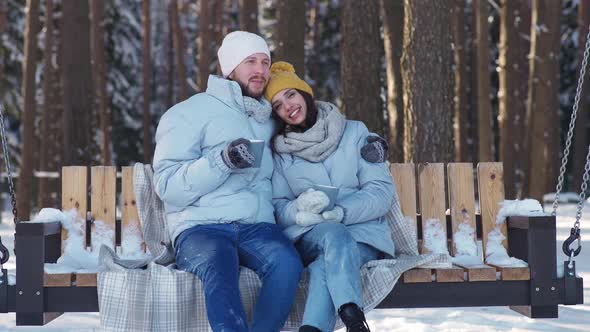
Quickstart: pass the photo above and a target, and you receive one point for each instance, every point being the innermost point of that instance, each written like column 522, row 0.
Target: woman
column 315, row 145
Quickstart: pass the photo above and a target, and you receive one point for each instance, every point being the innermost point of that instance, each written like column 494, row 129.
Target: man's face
column 252, row 74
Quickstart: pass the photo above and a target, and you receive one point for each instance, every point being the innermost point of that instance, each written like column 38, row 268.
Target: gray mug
column 330, row 191
column 256, row 148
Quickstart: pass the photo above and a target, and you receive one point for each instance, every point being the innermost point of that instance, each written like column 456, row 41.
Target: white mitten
column 304, row 218
column 335, row 215
column 312, row 201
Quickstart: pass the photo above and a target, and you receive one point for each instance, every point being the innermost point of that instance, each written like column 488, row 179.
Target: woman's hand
column 375, row 151
column 335, row 215
column 313, row 201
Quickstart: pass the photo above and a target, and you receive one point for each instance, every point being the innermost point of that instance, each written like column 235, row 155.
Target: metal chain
column 7, row 163
column 570, row 132
column 583, row 191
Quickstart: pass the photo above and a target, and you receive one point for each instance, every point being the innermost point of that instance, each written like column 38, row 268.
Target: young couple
column 221, row 210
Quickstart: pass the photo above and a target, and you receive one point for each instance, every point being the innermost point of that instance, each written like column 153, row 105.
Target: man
column 218, row 207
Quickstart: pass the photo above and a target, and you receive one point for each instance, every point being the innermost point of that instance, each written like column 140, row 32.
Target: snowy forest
column 84, row 82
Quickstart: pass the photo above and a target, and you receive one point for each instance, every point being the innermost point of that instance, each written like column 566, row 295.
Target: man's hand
column 236, row 154
column 375, row 151
column 313, row 201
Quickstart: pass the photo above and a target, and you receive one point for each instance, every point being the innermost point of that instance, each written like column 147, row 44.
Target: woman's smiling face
column 290, row 106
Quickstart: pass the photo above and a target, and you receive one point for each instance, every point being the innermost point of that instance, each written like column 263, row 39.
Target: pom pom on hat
column 281, row 66
column 283, row 76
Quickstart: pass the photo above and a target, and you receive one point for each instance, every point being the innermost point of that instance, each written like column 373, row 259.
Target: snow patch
column 435, row 239
column 495, row 252
column 76, row 257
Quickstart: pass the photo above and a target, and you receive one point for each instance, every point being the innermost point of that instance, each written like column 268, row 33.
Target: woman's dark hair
column 310, row 119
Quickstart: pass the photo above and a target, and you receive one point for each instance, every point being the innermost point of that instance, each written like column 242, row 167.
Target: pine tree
column 427, row 81
column 24, row 189
column 581, row 141
column 290, row 34
column 360, row 66
column 392, row 15
column 147, row 87
column 543, row 103
column 249, row 15
column 77, row 83
column 482, row 60
column 100, row 71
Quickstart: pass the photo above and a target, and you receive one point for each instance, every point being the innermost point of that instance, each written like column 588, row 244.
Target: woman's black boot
column 353, row 317
column 309, row 328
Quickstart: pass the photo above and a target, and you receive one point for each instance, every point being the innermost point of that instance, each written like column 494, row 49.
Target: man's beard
column 246, row 92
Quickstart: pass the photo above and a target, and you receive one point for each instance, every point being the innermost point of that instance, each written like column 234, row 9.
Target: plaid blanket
column 154, row 296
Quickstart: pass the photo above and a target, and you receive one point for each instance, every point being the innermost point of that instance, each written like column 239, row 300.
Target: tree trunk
column 147, row 86
column 77, row 83
column 483, row 81
column 249, row 15
column 511, row 94
column 392, row 15
column 462, row 81
column 3, row 20
column 427, row 81
column 47, row 143
column 170, row 61
column 360, row 65
column 290, row 40
column 178, row 40
column 313, row 64
column 581, row 129
column 100, row 71
column 206, row 42
column 543, row 102
column 24, row 189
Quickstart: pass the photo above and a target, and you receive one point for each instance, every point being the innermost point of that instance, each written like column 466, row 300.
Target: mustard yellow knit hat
column 282, row 76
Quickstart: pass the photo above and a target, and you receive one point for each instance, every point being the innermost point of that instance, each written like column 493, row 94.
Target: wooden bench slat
column 404, row 177
column 513, row 273
column 461, row 198
column 452, row 274
column 85, row 279
column 479, row 272
column 104, row 197
column 432, row 197
column 129, row 216
column 57, row 279
column 74, row 195
column 417, row 275
column 491, row 193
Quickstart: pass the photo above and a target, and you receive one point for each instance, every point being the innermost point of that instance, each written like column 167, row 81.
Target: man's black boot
column 353, row 317
column 309, row 328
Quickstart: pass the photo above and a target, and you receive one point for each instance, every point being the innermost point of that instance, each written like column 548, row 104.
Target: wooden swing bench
column 535, row 291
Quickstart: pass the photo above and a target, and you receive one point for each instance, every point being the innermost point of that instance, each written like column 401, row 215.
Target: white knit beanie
column 237, row 46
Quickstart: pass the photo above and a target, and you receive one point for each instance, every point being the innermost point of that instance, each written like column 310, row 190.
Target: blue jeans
column 334, row 260
column 215, row 252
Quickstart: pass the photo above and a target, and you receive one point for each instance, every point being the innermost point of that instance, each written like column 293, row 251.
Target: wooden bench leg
column 533, row 239
column 36, row 243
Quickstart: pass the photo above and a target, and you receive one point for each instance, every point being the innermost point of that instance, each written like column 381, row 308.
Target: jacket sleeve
column 182, row 173
column 283, row 199
column 376, row 189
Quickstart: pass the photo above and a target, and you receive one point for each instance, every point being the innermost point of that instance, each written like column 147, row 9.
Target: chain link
column 7, row 163
column 570, row 132
column 583, row 191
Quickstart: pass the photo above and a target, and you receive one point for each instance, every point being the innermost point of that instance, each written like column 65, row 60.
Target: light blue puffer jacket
column 366, row 190
column 189, row 175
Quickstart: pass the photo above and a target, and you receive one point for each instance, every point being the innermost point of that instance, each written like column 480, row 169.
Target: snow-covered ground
column 571, row 318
